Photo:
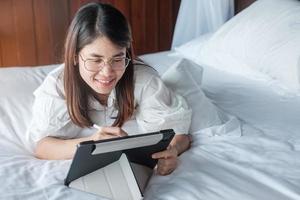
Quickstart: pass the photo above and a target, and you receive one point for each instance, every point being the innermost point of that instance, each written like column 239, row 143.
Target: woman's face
column 104, row 78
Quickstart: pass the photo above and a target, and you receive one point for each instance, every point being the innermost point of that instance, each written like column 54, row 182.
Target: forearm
column 50, row 148
column 181, row 142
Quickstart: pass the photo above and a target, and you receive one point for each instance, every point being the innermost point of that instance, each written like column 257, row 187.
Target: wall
column 32, row 32
column 240, row 5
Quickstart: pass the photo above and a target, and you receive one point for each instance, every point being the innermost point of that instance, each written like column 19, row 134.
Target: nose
column 106, row 69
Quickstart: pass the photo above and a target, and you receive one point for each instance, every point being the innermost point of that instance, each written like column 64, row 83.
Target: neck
column 102, row 98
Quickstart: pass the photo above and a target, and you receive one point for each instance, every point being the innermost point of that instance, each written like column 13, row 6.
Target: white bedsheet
column 230, row 161
column 261, row 164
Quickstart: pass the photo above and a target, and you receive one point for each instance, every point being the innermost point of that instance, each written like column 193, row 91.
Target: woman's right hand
column 108, row 132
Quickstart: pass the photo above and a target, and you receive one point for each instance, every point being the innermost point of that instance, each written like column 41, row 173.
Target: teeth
column 104, row 81
column 101, row 81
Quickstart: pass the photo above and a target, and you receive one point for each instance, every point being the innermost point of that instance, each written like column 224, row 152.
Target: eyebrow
column 100, row 56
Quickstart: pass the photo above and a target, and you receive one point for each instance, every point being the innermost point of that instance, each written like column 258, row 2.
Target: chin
column 103, row 88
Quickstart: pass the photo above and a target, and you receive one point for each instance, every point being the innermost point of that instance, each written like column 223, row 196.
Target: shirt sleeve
column 160, row 108
column 50, row 115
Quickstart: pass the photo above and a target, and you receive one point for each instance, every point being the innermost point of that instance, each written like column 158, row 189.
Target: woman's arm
column 51, row 148
column 181, row 142
column 167, row 160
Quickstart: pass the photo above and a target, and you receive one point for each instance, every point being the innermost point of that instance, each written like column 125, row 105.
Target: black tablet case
column 84, row 162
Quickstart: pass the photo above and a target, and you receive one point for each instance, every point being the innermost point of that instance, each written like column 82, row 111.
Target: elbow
column 187, row 141
column 38, row 154
column 182, row 142
column 40, row 150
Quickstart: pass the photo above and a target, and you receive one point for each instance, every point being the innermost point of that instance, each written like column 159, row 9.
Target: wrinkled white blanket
column 230, row 161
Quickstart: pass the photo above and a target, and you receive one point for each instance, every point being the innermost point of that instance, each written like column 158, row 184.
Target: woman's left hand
column 167, row 160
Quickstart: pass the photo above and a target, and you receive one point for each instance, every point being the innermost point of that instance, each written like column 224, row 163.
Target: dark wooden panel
column 17, row 44
column 151, row 27
column 138, row 14
column 152, row 22
column 59, row 24
column 51, row 25
column 240, row 5
column 9, row 46
column 32, row 32
column 176, row 5
column 0, row 55
column 24, row 27
column 43, row 32
column 165, row 24
column 74, row 5
column 125, row 7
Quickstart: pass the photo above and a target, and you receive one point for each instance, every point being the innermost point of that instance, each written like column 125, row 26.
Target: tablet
column 93, row 155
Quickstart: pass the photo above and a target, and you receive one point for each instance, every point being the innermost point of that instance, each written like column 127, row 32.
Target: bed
column 246, row 140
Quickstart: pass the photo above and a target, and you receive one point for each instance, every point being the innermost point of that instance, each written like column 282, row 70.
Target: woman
column 101, row 83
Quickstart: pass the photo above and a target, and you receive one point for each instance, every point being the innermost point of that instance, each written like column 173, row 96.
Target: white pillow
column 190, row 48
column 264, row 40
column 184, row 78
column 16, row 88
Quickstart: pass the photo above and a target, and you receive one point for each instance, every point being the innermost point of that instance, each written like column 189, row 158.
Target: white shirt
column 157, row 108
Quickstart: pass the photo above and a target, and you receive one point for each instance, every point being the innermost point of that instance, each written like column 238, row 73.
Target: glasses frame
column 108, row 62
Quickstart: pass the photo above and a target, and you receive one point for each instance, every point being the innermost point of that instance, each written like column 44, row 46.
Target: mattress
column 249, row 157
column 262, row 163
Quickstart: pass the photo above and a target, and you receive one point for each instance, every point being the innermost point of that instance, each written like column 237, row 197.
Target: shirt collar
column 96, row 105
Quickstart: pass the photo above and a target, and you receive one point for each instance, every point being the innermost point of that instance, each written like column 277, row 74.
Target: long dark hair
column 91, row 21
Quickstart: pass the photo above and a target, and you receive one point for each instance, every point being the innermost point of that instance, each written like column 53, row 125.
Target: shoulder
column 147, row 82
column 49, row 108
column 143, row 74
column 53, row 84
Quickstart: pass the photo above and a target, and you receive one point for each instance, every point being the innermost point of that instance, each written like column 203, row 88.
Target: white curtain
column 198, row 17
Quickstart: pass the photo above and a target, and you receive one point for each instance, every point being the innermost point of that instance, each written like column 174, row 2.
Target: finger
column 160, row 167
column 101, row 136
column 169, row 163
column 160, row 155
column 164, row 168
column 173, row 149
column 161, row 163
column 163, row 154
column 164, row 172
column 108, row 136
column 114, row 131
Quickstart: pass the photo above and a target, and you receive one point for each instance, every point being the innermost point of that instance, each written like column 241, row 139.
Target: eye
column 116, row 60
column 98, row 61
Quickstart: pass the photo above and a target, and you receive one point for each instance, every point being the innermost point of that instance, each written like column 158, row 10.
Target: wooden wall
column 32, row 32
column 240, row 5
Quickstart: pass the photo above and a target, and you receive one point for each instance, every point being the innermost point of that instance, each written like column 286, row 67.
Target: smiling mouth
column 105, row 82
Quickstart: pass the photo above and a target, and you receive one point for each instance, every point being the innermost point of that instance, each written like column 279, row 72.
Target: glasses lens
column 94, row 65
column 119, row 63
column 116, row 64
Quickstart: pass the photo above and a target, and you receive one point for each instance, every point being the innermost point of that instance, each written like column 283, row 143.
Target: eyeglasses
column 96, row 65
